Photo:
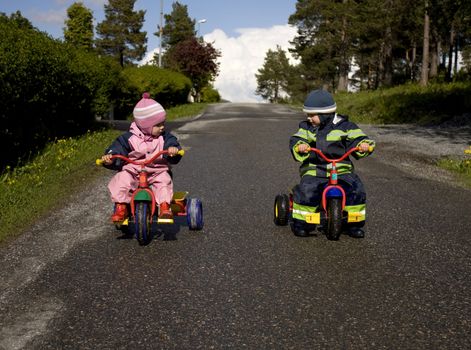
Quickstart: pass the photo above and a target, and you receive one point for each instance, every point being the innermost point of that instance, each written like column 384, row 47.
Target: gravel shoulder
column 416, row 149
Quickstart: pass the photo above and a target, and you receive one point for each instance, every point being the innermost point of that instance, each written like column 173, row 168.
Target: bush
column 48, row 90
column 167, row 87
column 210, row 95
column 101, row 78
column 436, row 103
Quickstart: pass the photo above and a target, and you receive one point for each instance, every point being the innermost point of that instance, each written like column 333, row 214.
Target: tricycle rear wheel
column 281, row 210
column 194, row 216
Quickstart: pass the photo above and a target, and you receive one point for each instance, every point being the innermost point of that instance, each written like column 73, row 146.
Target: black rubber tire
column 334, row 218
column 281, row 210
column 143, row 223
column 194, row 215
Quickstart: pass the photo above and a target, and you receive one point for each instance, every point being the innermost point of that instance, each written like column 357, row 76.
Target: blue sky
column 242, row 29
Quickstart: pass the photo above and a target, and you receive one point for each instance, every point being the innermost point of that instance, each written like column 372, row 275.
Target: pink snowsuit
column 126, row 181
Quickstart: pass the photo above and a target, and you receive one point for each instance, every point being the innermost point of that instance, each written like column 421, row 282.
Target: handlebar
column 323, row 156
column 142, row 162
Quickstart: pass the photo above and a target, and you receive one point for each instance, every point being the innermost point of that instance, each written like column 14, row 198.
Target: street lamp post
column 199, row 23
column 160, row 31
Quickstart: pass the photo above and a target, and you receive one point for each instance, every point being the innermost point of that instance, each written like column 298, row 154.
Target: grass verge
column 29, row 192
column 461, row 167
column 187, row 110
column 411, row 103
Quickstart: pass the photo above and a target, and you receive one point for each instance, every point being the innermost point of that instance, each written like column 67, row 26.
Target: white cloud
column 149, row 56
column 58, row 16
column 86, row 3
column 241, row 57
column 51, row 16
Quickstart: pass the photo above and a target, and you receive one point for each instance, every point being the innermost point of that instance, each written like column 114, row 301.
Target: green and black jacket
column 333, row 137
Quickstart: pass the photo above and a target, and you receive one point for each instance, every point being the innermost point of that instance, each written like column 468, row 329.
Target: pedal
column 164, row 221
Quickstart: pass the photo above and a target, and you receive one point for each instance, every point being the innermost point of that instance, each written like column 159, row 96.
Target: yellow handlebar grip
column 98, row 162
column 370, row 149
column 181, row 152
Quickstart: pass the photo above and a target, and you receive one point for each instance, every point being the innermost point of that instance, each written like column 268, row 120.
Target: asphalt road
column 72, row 282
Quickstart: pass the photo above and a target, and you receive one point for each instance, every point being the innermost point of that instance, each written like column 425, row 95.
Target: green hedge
column 100, row 77
column 210, row 95
column 51, row 90
column 166, row 87
column 48, row 90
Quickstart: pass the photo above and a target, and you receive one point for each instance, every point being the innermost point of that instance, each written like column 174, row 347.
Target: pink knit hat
column 148, row 113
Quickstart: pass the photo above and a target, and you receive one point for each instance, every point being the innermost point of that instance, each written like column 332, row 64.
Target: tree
column 120, row 32
column 388, row 37
column 79, row 26
column 272, row 78
column 196, row 59
column 18, row 19
column 425, row 53
column 390, row 41
column 451, row 21
column 178, row 26
column 325, row 38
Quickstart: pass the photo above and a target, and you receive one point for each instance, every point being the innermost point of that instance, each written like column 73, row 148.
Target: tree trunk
column 408, row 65
column 380, row 67
column 275, row 92
column 410, row 59
column 414, row 58
column 450, row 54
column 121, row 58
column 434, row 57
column 344, row 66
column 455, row 66
column 371, row 83
column 343, row 80
column 425, row 54
column 388, row 59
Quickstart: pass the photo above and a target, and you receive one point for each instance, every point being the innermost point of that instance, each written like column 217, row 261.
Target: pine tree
column 272, row 78
column 450, row 21
column 178, row 26
column 184, row 52
column 325, row 39
column 120, row 33
column 79, row 26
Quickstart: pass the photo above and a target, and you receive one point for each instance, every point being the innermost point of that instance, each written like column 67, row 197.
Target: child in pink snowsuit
column 146, row 137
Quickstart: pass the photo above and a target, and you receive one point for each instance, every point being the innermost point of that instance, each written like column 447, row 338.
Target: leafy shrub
column 167, row 87
column 101, row 77
column 48, row 89
column 436, row 103
column 210, row 95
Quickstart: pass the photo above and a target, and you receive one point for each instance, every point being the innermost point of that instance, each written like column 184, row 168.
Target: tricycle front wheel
column 143, row 222
column 334, row 218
